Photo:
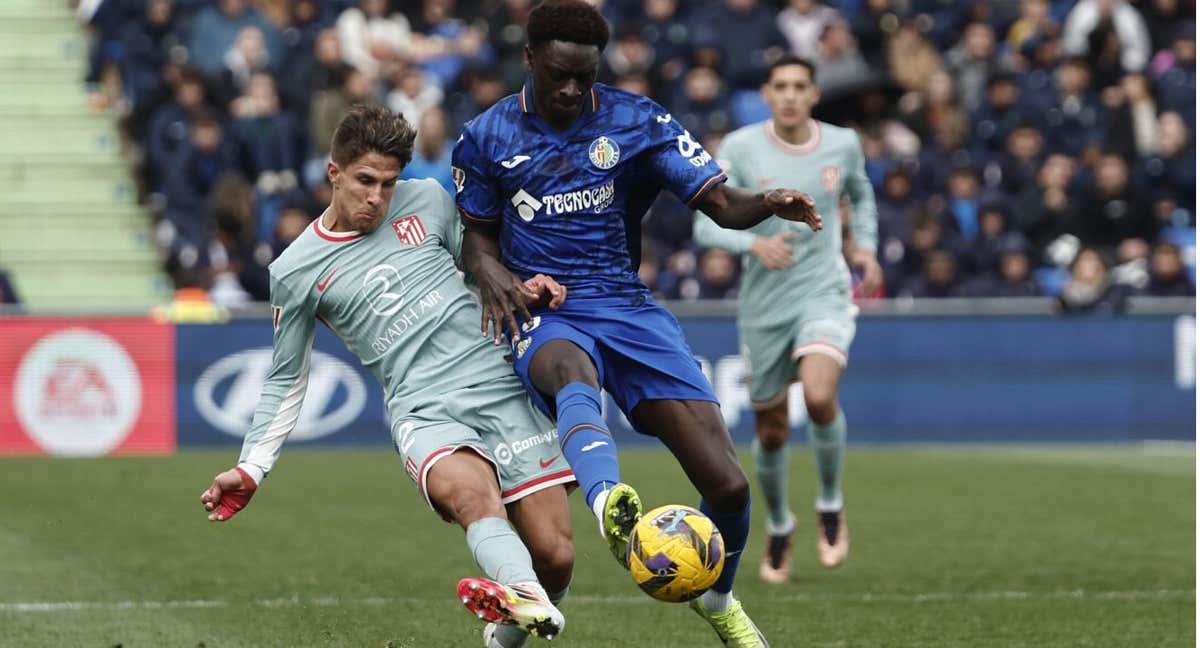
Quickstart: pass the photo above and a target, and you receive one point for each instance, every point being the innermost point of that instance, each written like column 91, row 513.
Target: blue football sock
column 735, row 528
column 586, row 442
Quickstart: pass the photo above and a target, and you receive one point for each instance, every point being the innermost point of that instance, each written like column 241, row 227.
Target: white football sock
column 715, row 601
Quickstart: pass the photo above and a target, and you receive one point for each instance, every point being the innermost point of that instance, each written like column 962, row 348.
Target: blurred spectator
column 1167, row 275
column 668, row 34
column 702, row 105
column 939, row 278
column 628, row 54
column 147, row 45
column 247, row 57
column 8, row 294
column 191, row 176
column 972, row 62
column 871, row 26
column 907, row 264
column 266, row 137
column 483, row 88
column 413, row 93
column 215, row 29
column 303, row 25
column 912, row 59
column 1134, row 122
column 841, row 66
column 896, row 204
column 1113, row 209
column 329, row 106
column 1046, row 210
column 718, row 275
column 1074, row 119
column 962, row 189
column 1018, row 166
column 1177, row 79
column 170, row 126
column 372, row 39
column 1090, row 290
column 231, row 254
column 191, row 304
column 1164, row 17
column 431, row 153
column 803, row 22
column 745, row 33
column 506, row 34
column 1034, row 22
column 1170, row 170
column 452, row 43
column 1011, row 276
column 307, row 74
column 1117, row 16
column 983, row 253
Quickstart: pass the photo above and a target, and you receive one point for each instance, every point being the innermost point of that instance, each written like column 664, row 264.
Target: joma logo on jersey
column 596, row 199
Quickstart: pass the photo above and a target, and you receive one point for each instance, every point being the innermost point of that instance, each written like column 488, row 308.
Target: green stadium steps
column 74, row 236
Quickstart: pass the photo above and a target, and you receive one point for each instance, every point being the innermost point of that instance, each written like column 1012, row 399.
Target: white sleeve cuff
column 256, row 473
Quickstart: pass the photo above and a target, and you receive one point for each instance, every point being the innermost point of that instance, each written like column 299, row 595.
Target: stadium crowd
column 1016, row 147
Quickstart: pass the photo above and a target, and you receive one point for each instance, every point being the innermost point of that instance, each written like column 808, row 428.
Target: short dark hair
column 569, row 21
column 372, row 129
column 792, row 59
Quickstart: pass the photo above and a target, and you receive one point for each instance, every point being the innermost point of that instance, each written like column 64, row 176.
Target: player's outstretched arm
column 230, row 492
column 500, row 292
column 736, row 208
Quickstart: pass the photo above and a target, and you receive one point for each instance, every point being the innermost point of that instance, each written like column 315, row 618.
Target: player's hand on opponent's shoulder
column 774, row 252
column 550, row 293
column 501, row 293
column 230, row 492
column 793, row 205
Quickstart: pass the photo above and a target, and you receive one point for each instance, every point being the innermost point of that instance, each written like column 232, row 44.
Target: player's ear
column 529, row 58
column 333, row 172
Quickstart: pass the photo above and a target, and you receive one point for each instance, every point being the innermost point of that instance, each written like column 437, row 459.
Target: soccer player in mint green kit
column 796, row 306
column 379, row 269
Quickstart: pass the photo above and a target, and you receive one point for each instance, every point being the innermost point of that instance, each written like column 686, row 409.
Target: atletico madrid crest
column 830, row 178
column 409, row 229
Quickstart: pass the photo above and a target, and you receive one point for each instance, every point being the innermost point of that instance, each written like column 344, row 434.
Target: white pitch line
column 376, row 601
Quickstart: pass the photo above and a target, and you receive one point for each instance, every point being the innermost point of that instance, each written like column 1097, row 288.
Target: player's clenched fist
column 794, row 206
column 230, row 492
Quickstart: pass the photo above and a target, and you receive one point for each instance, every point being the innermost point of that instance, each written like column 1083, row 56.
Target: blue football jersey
column 570, row 203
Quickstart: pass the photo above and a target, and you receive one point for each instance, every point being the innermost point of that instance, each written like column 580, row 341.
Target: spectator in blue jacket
column 215, row 29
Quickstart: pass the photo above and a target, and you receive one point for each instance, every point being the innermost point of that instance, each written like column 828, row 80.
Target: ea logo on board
column 604, row 153
column 227, row 392
column 77, row 393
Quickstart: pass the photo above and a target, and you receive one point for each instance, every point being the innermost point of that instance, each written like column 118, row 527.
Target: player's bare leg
column 567, row 377
column 695, row 433
column 463, row 486
column 543, row 520
column 771, row 467
column 827, row 435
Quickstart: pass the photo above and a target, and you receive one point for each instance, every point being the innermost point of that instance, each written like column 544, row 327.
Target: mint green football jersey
column 829, row 165
column 396, row 299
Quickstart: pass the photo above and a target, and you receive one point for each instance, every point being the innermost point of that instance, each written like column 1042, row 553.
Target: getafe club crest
column 830, row 176
column 604, row 153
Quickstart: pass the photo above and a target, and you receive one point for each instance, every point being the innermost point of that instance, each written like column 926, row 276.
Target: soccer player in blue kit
column 555, row 180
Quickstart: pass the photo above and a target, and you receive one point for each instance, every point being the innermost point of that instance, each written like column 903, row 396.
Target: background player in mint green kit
column 379, row 269
column 796, row 305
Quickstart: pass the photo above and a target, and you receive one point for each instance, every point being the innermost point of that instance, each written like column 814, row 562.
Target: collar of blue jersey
column 526, row 99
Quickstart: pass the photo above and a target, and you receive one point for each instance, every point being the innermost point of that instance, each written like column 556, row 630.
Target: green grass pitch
column 973, row 547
